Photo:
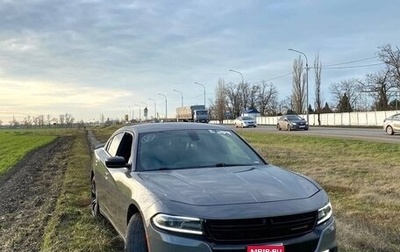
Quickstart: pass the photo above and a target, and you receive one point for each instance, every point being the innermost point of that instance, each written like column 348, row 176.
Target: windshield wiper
column 227, row 165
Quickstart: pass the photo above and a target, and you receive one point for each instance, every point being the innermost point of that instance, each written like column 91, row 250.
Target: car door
column 396, row 122
column 104, row 193
column 116, row 184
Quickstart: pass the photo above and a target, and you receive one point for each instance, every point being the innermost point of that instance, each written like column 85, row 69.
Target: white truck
column 195, row 113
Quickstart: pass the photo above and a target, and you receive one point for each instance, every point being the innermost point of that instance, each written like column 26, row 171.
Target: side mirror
column 116, row 162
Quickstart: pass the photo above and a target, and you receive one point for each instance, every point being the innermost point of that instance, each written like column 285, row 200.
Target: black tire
column 94, row 202
column 389, row 130
column 136, row 235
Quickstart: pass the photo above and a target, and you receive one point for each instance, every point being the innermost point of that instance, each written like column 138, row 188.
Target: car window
column 125, row 147
column 247, row 118
column 193, row 149
column 112, row 147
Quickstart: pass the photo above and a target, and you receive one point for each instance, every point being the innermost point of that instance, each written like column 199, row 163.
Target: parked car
column 392, row 124
column 181, row 187
column 291, row 122
column 245, row 122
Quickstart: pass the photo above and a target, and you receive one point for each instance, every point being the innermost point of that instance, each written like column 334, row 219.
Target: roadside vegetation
column 361, row 178
column 16, row 144
column 71, row 227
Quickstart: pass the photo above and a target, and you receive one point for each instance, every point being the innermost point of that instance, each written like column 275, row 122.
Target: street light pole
column 231, row 70
column 204, row 91
column 181, row 96
column 166, row 110
column 155, row 107
column 305, row 56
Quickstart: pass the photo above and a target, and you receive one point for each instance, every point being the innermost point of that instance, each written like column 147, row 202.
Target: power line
column 348, row 67
column 278, row 77
column 353, row 61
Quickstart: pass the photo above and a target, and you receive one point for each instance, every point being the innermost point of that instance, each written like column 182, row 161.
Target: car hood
column 228, row 185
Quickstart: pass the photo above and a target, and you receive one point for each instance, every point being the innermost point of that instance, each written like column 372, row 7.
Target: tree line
column 63, row 120
column 382, row 87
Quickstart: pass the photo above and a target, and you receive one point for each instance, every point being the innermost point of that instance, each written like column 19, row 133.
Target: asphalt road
column 371, row 134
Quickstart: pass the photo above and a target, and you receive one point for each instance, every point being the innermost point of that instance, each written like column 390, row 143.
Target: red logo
column 268, row 248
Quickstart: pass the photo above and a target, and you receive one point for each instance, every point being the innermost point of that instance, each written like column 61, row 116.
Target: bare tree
column 299, row 86
column 234, row 102
column 391, row 57
column 286, row 105
column 318, row 94
column 267, row 98
column 62, row 120
column 350, row 87
column 220, row 101
column 244, row 91
column 379, row 87
column 69, row 120
column 27, row 121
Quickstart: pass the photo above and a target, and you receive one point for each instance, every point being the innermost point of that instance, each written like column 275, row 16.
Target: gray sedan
column 392, row 124
column 201, row 187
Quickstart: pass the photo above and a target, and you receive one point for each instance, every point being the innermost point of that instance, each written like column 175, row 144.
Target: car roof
column 169, row 126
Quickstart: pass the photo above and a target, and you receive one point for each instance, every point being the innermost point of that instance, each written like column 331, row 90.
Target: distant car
column 392, row 124
column 291, row 122
column 245, row 122
column 178, row 187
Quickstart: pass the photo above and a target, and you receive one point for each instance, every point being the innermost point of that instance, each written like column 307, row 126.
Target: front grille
column 260, row 229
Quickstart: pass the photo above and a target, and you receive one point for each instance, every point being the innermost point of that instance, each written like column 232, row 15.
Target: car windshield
column 185, row 149
column 201, row 112
column 294, row 117
column 247, row 118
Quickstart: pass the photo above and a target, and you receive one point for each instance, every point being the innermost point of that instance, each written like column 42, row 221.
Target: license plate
column 266, row 248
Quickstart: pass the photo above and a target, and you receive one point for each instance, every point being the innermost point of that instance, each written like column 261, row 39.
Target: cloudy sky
column 90, row 57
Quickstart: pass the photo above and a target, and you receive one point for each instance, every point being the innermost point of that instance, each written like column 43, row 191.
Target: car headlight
column 179, row 224
column 294, row 123
column 324, row 213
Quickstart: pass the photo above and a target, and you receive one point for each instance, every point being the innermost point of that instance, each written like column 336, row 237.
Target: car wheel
column 94, row 203
column 136, row 236
column 389, row 130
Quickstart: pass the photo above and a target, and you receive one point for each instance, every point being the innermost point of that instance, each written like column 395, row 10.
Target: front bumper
column 297, row 127
column 321, row 239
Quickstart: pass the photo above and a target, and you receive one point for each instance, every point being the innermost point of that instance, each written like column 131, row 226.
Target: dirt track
column 28, row 194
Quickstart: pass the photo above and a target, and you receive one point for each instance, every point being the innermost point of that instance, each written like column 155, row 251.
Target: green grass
column 362, row 179
column 14, row 145
column 71, row 227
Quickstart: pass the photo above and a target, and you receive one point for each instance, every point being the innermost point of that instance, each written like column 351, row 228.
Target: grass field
column 362, row 179
column 14, row 145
